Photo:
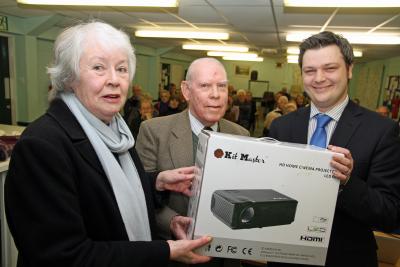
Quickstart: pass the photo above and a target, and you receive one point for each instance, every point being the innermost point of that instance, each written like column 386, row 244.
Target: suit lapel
column 347, row 125
column 181, row 142
column 300, row 126
column 60, row 112
column 87, row 152
column 223, row 127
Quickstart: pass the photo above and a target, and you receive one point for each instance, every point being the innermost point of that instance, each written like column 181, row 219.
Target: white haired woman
column 76, row 193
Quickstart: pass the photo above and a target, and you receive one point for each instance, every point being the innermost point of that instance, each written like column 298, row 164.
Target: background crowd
column 242, row 107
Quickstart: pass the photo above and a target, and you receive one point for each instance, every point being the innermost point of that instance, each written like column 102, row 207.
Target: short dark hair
column 324, row 39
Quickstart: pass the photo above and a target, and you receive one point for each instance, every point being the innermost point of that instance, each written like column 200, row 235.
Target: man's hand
column 343, row 165
column 178, row 180
column 181, row 250
column 179, row 226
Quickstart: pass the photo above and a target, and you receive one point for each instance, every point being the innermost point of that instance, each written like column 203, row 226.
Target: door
column 5, row 90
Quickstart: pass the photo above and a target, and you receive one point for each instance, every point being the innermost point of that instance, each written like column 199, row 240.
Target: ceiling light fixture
column 182, row 34
column 211, row 47
column 243, row 58
column 292, row 57
column 230, row 54
column 357, row 53
column 342, row 3
column 295, row 51
column 292, row 61
column 125, row 3
column 269, row 51
column 352, row 37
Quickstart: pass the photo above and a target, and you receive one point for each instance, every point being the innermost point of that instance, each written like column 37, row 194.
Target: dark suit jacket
column 60, row 207
column 371, row 198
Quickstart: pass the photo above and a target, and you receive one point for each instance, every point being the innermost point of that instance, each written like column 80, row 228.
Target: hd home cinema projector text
column 252, row 208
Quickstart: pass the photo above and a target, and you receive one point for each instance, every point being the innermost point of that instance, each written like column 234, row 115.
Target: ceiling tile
column 265, row 39
column 192, row 3
column 24, row 13
column 198, row 14
column 155, row 17
column 356, row 20
column 243, row 3
column 261, row 18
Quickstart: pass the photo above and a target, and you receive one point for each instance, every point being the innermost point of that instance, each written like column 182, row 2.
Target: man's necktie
column 208, row 128
column 319, row 136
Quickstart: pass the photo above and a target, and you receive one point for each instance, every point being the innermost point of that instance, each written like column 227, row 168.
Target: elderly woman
column 76, row 193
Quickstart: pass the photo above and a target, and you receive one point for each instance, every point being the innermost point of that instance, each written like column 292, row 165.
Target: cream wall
column 268, row 70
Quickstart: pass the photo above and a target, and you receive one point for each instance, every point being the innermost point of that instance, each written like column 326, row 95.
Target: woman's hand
column 178, row 180
column 343, row 165
column 179, row 226
column 181, row 250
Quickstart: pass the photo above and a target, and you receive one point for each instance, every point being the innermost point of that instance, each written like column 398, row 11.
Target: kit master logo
column 219, row 153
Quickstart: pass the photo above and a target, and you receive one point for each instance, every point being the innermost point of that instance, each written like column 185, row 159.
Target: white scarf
column 125, row 181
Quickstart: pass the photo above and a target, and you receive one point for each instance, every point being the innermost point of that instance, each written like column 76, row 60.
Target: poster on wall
column 242, row 70
column 165, row 75
column 3, row 24
column 392, row 99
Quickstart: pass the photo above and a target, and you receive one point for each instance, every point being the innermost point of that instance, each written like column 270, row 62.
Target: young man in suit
column 369, row 194
column 172, row 140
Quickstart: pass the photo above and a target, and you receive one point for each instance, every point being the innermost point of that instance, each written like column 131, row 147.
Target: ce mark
column 247, row 251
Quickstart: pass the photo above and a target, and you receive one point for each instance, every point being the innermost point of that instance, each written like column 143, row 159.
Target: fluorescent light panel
column 295, row 51
column 230, row 54
column 209, row 47
column 342, row 3
column 292, row 57
column 182, row 34
column 126, row 3
column 352, row 37
column 259, row 59
column 357, row 53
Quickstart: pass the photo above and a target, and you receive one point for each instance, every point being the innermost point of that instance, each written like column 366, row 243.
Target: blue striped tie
column 319, row 136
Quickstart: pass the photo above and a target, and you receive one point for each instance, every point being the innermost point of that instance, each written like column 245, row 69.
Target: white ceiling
column 260, row 24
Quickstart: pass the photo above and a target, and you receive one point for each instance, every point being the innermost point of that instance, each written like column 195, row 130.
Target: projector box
column 262, row 200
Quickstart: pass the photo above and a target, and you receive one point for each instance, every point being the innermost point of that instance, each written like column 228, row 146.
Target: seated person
column 277, row 112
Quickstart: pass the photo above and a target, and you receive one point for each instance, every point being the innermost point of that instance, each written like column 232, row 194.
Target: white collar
column 197, row 126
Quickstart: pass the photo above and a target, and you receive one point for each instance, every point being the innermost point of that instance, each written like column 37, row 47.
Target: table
column 8, row 251
column 388, row 249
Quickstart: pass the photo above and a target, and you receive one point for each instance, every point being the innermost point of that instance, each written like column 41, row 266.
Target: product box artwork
column 262, row 200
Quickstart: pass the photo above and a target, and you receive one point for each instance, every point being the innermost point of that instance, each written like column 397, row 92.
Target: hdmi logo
column 311, row 238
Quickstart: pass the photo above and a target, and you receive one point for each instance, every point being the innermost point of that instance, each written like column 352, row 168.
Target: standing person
column 162, row 106
column 232, row 111
column 76, row 193
column 282, row 101
column 244, row 109
column 383, row 111
column 253, row 110
column 132, row 103
column 173, row 105
column 300, row 101
column 369, row 194
column 145, row 112
column 171, row 141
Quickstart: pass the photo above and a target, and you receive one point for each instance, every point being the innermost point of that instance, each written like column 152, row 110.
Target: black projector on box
column 252, row 208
